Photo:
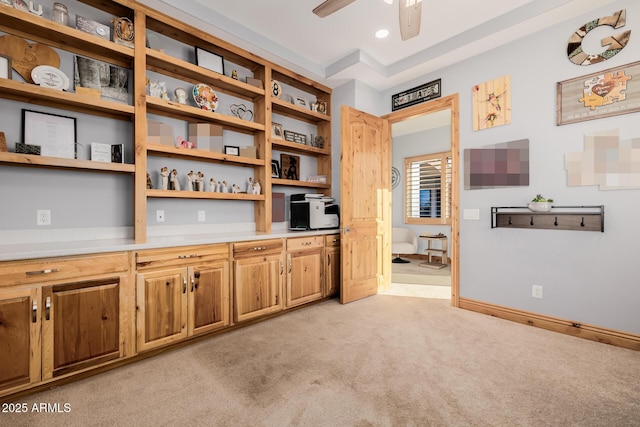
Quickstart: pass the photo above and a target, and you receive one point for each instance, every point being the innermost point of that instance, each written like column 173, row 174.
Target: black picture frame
column 5, row 67
column 209, row 60
column 275, row 169
column 290, row 167
column 231, row 150
column 55, row 134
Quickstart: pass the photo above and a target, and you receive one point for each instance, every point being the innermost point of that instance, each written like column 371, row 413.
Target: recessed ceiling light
column 382, row 33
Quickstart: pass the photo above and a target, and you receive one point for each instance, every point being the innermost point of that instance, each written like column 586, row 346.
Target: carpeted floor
column 382, row 361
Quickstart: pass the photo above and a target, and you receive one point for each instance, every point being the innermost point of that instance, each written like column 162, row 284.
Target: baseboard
column 568, row 327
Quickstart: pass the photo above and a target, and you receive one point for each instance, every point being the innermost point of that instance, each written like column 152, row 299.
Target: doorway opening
column 425, row 197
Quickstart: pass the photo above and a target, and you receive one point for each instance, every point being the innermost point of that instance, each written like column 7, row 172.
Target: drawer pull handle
column 187, row 256
column 46, row 271
column 335, row 240
column 47, row 308
column 306, row 243
column 260, row 248
column 34, row 313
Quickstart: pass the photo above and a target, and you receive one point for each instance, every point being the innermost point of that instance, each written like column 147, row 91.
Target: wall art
column 209, row 60
column 290, row 166
column 112, row 81
column 614, row 43
column 492, row 103
column 495, row 166
column 56, row 135
column 604, row 94
column 416, row 95
column 606, row 161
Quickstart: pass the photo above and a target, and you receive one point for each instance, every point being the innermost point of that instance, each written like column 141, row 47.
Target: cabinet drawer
column 259, row 247
column 172, row 257
column 52, row 269
column 305, row 243
column 332, row 240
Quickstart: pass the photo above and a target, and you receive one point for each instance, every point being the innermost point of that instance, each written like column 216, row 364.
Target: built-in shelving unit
column 142, row 59
column 578, row 218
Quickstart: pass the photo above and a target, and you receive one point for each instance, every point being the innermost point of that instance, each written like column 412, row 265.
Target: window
column 428, row 189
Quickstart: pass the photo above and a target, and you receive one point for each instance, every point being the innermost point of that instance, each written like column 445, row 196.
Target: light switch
column 473, row 214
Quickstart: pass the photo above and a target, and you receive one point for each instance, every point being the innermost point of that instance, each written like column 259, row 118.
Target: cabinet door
column 258, row 283
column 19, row 338
column 81, row 326
column 208, row 297
column 304, row 277
column 162, row 307
column 332, row 272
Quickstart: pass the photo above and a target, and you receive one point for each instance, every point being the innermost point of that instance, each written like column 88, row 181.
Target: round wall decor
column 395, row 177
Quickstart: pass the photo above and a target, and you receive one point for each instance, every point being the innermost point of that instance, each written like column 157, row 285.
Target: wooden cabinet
column 62, row 315
column 175, row 303
column 304, row 270
column 258, row 278
column 19, row 337
column 332, row 266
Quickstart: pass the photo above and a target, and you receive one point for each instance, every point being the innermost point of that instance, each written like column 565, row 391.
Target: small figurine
column 163, row 91
column 200, row 181
column 250, row 185
column 191, row 179
column 149, row 183
column 174, row 181
column 234, row 75
column 256, row 188
column 181, row 96
column 223, row 187
column 235, row 189
column 164, row 173
column 213, row 185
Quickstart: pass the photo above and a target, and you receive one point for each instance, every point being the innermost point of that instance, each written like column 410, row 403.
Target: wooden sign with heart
column 26, row 56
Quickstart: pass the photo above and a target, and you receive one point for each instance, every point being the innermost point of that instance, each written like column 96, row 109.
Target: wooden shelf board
column 43, row 30
column 176, row 152
column 187, row 112
column 17, row 159
column 281, row 144
column 166, row 64
column 204, row 195
column 297, row 112
column 26, row 92
column 293, row 183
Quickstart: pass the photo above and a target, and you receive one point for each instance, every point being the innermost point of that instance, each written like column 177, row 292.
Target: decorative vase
column 540, row 206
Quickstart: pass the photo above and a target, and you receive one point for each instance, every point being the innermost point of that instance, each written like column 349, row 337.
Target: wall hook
column 582, row 222
column 555, row 221
column 510, row 221
column 531, row 221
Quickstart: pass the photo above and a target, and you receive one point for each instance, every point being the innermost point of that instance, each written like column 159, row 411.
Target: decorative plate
column 205, row 97
column 51, row 77
column 395, row 177
column 276, row 89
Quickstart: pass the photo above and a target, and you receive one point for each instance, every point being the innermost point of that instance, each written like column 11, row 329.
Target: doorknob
column 346, row 229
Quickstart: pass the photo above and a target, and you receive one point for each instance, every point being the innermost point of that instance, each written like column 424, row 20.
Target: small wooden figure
column 164, row 173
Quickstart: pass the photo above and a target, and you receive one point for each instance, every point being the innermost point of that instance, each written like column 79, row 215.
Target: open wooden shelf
column 201, row 155
column 294, row 183
column 578, row 218
column 34, row 94
column 187, row 112
column 204, row 195
column 281, row 144
column 43, row 30
column 31, row 160
column 297, row 112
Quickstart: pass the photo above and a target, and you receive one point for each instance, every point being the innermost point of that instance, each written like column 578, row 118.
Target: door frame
column 448, row 102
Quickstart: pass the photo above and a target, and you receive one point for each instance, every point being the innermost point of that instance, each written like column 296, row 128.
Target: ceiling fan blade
column 410, row 17
column 330, row 6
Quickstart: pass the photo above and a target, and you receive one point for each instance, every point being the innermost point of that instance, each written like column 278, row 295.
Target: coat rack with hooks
column 579, row 218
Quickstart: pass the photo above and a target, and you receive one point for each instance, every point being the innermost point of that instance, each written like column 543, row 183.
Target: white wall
column 588, row 277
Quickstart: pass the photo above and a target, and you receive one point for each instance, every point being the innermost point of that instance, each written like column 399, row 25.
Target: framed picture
column 56, row 135
column 276, row 130
column 275, row 169
column 322, row 107
column 290, row 166
column 231, row 150
column 5, row 67
column 603, row 94
column 301, row 102
column 209, row 60
column 112, row 81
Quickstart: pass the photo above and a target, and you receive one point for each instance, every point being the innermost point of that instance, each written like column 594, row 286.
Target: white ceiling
column 342, row 46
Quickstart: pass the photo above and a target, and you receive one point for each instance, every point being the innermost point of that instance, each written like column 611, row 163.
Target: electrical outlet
column 159, row 216
column 536, row 291
column 43, row 217
column 202, row 216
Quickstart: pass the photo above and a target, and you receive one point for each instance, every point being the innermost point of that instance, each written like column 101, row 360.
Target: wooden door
column 208, row 306
column 365, row 190
column 332, row 270
column 257, row 285
column 304, row 276
column 19, row 337
column 162, row 307
column 81, row 326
